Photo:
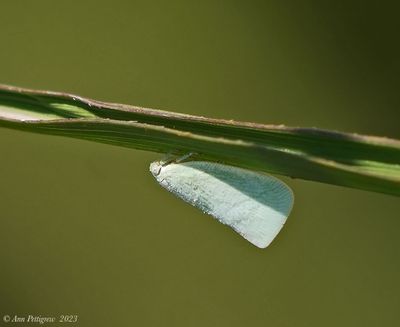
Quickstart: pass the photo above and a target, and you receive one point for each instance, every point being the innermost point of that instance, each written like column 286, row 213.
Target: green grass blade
column 363, row 162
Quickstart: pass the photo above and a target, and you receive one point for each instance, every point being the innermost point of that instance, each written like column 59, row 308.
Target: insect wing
column 255, row 205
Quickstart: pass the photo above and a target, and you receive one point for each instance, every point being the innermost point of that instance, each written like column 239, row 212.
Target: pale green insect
column 255, row 205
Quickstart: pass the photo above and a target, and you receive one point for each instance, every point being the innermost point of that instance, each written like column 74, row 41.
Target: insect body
column 254, row 204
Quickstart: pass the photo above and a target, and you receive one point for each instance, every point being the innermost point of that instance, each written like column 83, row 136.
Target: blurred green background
column 86, row 230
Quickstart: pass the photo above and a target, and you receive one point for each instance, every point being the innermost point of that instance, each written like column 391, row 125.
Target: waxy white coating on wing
column 254, row 204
